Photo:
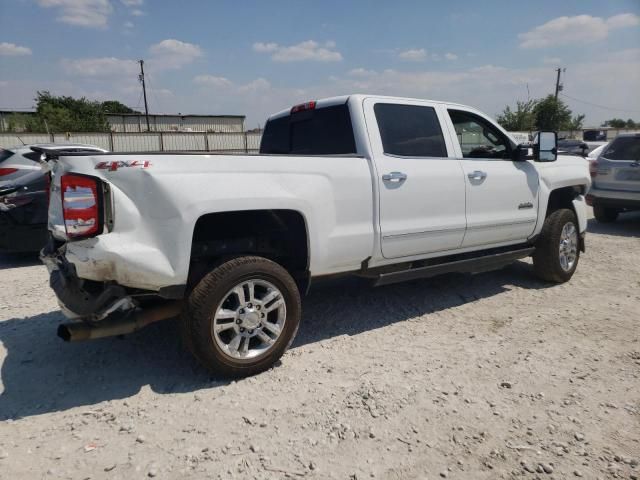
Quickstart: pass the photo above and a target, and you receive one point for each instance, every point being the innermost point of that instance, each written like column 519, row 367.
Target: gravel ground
column 495, row 375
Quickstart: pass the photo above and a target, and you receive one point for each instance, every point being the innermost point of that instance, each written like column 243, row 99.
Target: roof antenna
column 21, row 141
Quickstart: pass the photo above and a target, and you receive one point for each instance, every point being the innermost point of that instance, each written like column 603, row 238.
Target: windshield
column 624, row 148
column 4, row 154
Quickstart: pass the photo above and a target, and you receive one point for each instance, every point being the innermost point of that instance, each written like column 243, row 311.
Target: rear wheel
column 242, row 316
column 605, row 215
column 557, row 252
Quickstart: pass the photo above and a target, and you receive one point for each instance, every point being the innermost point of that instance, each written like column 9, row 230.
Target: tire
column 605, row 215
column 265, row 321
column 547, row 257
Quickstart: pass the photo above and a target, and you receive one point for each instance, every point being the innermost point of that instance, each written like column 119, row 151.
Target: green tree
column 553, row 114
column 68, row 114
column 519, row 120
column 615, row 123
column 114, row 106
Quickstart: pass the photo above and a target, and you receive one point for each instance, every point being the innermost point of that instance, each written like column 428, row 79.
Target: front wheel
column 242, row 316
column 557, row 252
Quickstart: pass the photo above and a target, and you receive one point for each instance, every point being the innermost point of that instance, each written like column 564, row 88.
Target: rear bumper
column 80, row 298
column 614, row 198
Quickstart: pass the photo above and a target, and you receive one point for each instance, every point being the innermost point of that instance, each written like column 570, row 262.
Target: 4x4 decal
column 113, row 166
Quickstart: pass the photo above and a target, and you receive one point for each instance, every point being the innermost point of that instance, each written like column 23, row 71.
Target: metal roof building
column 135, row 122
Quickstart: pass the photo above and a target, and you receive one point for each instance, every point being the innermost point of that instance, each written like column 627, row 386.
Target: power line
column 599, row 106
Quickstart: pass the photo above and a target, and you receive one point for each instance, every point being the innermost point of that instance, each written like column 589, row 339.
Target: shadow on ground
column 41, row 374
column 627, row 225
column 16, row 260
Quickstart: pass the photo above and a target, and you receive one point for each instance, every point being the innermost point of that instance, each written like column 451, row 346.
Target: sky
column 256, row 57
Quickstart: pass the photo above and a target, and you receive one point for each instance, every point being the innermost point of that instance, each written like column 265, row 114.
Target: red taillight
column 303, row 106
column 80, row 205
column 7, row 171
column 593, row 168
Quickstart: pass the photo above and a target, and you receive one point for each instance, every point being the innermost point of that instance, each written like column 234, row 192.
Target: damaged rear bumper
column 100, row 309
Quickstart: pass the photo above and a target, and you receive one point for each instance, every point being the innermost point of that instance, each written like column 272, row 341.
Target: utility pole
column 144, row 93
column 558, row 85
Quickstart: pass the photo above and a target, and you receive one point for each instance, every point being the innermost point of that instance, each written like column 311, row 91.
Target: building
column 135, row 122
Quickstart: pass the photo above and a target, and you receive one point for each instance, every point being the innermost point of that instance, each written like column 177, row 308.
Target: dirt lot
column 488, row 376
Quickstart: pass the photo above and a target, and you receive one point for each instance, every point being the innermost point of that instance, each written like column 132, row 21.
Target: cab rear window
column 321, row 131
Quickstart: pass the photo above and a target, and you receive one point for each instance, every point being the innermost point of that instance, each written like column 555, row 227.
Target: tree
column 620, row 123
column 114, row 106
column 519, row 120
column 68, row 114
column 546, row 113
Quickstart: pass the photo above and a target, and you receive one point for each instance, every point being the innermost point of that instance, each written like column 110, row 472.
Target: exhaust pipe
column 78, row 331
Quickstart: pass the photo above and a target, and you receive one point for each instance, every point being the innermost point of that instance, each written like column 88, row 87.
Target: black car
column 574, row 147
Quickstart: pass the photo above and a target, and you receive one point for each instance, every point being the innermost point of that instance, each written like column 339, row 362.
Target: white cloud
column 413, row 55
column 82, row 13
column 12, row 50
column 171, row 54
column 128, row 25
column 450, row 56
column 132, row 3
column 137, row 13
column 101, row 67
column 623, row 20
column 304, row 51
column 578, row 30
column 265, row 47
column 212, row 81
column 360, row 72
column 551, row 60
column 257, row 85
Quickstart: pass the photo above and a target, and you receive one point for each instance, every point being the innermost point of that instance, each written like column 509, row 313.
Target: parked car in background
column 24, row 192
column 616, row 178
column 573, row 147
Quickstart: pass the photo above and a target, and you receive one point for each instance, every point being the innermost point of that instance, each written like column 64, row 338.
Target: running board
column 469, row 265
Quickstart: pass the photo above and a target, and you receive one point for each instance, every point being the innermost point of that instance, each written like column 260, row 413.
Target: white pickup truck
column 386, row 188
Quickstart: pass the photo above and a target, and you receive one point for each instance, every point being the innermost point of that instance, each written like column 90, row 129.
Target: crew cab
column 386, row 188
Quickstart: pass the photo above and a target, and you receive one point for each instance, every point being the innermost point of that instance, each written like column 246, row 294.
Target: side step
column 469, row 265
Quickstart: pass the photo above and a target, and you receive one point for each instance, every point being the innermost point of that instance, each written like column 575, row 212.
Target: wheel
column 242, row 316
column 605, row 215
column 556, row 256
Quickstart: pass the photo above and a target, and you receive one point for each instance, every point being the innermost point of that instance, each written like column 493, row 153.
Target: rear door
column 501, row 194
column 422, row 191
column 619, row 165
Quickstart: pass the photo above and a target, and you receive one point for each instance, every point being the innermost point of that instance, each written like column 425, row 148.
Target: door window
column 478, row 138
column 410, row 130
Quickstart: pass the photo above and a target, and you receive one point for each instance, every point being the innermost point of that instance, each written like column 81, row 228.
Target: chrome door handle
column 394, row 177
column 477, row 175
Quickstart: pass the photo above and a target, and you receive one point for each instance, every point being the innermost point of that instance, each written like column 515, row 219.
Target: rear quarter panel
column 156, row 208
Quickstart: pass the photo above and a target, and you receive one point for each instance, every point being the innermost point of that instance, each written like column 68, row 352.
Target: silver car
column 616, row 178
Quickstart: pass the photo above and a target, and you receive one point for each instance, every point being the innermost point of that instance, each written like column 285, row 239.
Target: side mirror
column 545, row 147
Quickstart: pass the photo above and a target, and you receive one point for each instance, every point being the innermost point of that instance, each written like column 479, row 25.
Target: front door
column 422, row 189
column 502, row 194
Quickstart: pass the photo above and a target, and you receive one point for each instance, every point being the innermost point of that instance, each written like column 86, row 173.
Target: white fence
column 232, row 142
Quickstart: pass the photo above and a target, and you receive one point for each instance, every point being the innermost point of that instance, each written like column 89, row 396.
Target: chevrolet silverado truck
column 385, row 188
